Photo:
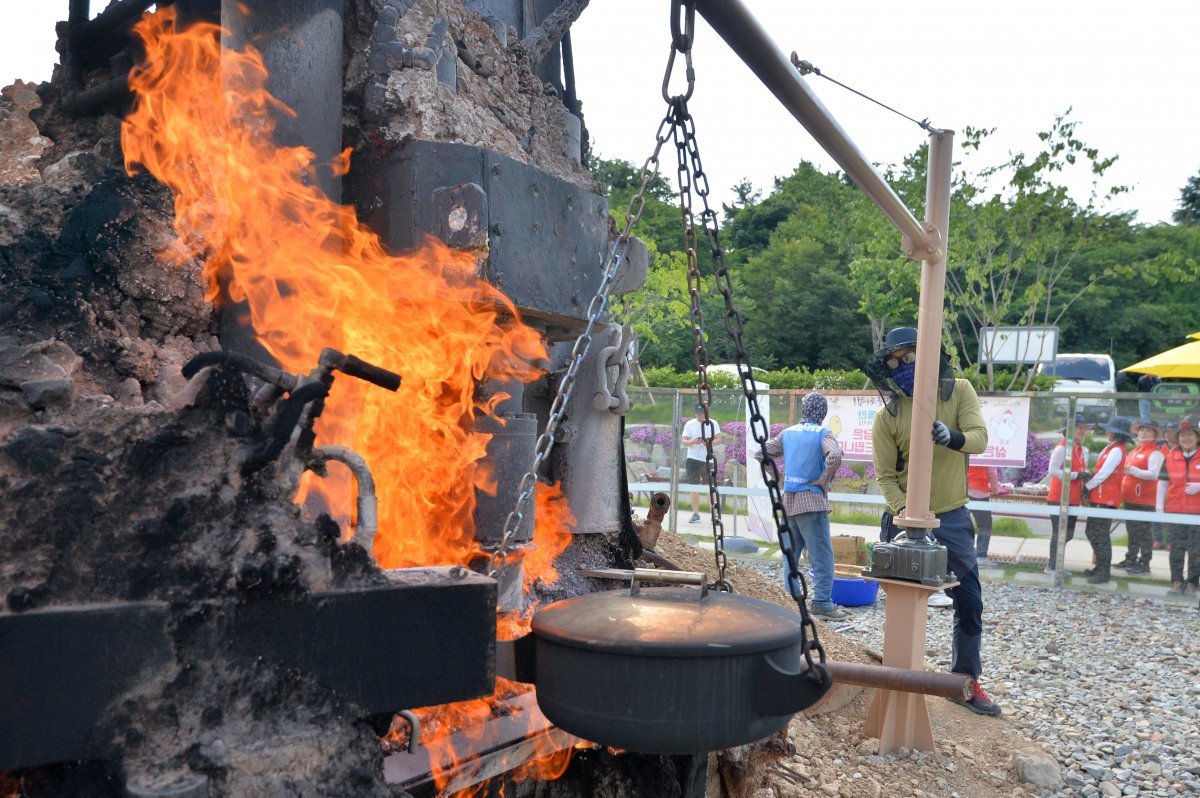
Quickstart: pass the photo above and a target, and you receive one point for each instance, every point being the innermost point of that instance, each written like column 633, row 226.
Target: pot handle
column 641, row 575
column 786, row 692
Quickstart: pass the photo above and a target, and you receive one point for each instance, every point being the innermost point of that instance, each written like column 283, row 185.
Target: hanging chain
column 700, row 347
column 692, row 178
column 596, row 309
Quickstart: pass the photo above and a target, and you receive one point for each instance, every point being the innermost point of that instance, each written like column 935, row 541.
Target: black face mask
column 890, row 389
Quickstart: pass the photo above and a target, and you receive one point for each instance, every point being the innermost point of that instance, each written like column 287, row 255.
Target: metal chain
column 596, row 309
column 685, row 128
column 700, row 347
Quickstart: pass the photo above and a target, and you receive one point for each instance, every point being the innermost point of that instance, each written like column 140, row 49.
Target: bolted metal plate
column 546, row 239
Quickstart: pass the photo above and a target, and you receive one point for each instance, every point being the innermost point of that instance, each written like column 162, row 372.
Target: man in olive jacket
column 958, row 431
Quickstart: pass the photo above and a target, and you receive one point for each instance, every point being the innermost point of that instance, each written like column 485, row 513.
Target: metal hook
column 681, row 40
column 689, row 74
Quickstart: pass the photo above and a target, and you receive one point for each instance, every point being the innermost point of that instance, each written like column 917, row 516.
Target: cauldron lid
column 668, row 622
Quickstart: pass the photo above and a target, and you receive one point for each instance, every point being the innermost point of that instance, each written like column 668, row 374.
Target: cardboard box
column 849, row 549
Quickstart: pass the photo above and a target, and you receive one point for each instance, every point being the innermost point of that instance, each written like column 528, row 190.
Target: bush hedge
column 807, row 380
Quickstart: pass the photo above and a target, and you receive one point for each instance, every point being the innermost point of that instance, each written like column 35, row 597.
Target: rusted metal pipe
column 741, row 31
column 368, row 508
column 651, row 528
column 84, row 101
column 882, row 677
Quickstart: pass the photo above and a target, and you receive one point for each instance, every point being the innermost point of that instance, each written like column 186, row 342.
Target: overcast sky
column 1131, row 71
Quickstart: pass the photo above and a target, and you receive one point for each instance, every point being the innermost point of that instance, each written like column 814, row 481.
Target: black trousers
column 1071, row 519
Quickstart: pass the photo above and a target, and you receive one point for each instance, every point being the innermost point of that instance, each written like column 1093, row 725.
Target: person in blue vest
column 811, row 456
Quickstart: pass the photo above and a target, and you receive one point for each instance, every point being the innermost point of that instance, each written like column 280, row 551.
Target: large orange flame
column 312, row 276
column 443, row 724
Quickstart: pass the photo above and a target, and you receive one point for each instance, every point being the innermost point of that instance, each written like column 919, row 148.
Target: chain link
column 700, row 346
column 684, row 135
column 596, row 309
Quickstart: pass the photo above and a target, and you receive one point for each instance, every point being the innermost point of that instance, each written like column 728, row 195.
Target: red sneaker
column 980, row 702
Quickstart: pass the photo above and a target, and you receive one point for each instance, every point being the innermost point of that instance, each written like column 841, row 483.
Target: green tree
column 1016, row 256
column 1188, row 211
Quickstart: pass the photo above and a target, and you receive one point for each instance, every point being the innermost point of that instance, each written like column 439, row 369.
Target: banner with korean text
column 1007, row 417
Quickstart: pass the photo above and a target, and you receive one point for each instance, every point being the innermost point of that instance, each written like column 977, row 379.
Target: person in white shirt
column 695, row 465
column 1140, row 489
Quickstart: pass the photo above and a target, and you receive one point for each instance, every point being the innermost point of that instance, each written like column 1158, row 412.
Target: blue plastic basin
column 854, row 592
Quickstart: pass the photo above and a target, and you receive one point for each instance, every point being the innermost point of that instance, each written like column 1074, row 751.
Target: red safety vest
column 1180, row 471
column 1136, row 490
column 1078, row 464
column 978, row 481
column 1108, row 492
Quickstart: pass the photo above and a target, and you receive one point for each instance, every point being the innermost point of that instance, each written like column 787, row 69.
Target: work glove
column 950, row 438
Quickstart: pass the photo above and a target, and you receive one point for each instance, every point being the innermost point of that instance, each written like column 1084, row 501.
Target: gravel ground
column 1107, row 684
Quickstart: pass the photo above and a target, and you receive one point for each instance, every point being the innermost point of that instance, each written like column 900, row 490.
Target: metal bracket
column 932, row 245
column 614, row 399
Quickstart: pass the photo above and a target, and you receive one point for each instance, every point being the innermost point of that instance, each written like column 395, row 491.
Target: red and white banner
column 1007, row 417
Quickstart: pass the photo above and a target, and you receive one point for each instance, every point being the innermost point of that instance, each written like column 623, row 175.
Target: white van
column 1083, row 373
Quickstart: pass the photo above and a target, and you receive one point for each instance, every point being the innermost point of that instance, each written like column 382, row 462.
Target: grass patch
column 858, row 517
column 1011, row 528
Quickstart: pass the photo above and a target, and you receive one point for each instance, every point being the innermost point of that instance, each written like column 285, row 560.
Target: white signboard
column 1007, row 417
column 1010, row 345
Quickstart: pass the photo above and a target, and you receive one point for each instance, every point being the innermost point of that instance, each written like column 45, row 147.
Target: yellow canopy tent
column 1182, row 362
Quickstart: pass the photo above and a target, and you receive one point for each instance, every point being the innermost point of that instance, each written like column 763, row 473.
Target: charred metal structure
column 69, row 663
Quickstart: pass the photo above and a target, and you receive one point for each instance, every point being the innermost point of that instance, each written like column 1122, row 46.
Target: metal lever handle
column 643, row 575
column 357, row 367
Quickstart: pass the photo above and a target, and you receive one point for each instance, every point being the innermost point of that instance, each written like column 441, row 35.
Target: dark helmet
column 889, row 390
column 899, row 338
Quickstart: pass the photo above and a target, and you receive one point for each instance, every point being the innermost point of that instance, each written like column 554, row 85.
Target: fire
column 312, row 277
column 442, row 725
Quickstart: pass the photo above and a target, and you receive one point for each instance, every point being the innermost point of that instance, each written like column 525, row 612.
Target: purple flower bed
column 647, row 434
column 643, row 434
column 1037, row 460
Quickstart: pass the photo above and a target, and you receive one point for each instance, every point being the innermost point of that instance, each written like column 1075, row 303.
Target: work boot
column 831, row 614
column 1176, row 589
column 980, row 702
column 1090, row 572
column 1098, row 579
column 1138, row 570
column 1124, row 564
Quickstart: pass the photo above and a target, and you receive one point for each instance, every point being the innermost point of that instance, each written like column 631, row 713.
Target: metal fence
column 655, row 456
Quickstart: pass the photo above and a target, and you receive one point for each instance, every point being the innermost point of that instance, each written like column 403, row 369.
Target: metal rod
column 1058, row 557
column 929, row 335
column 676, row 442
column 949, row 685
column 114, row 16
column 368, row 509
column 78, row 103
column 741, row 31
